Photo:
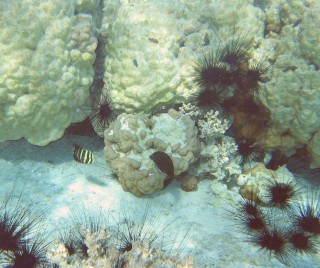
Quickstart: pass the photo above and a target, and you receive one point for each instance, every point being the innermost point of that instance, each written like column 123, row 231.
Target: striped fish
column 82, row 155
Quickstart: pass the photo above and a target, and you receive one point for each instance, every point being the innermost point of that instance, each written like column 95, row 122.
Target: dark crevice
column 98, row 65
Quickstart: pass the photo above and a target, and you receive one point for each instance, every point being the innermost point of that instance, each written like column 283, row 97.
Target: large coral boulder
column 151, row 47
column 47, row 51
column 131, row 139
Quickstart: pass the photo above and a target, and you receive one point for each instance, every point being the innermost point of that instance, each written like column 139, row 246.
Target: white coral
column 212, row 125
column 220, row 159
column 189, row 109
column 218, row 156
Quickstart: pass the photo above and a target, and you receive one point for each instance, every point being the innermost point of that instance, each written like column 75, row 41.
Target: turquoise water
column 226, row 92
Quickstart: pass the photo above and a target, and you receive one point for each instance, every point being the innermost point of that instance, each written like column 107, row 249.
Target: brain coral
column 151, row 46
column 131, row 139
column 293, row 94
column 47, row 52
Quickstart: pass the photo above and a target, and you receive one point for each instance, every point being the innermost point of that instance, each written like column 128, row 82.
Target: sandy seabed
column 51, row 175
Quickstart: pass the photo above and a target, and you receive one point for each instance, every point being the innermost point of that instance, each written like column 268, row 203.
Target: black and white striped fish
column 82, row 155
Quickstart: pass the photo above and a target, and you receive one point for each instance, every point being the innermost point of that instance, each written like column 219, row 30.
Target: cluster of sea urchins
column 227, row 80
column 90, row 238
column 87, row 234
column 293, row 231
column 21, row 243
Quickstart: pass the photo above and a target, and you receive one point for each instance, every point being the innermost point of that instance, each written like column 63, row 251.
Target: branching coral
column 212, row 126
column 218, row 156
column 220, row 159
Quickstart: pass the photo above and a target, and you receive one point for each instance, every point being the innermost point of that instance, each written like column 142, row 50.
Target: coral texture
column 218, row 155
column 141, row 255
column 47, row 53
column 151, row 46
column 212, row 125
column 86, row 6
column 254, row 182
column 131, row 139
column 292, row 95
column 219, row 159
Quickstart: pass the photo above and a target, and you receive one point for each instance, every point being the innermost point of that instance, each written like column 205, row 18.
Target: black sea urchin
column 207, row 99
column 274, row 240
column 306, row 214
column 211, row 73
column 280, row 194
column 102, row 115
column 82, row 223
column 17, row 220
column 237, row 50
column 31, row 254
column 215, row 83
column 147, row 230
column 302, row 242
column 248, row 150
column 250, row 215
column 256, row 73
column 20, row 221
column 151, row 231
column 277, row 160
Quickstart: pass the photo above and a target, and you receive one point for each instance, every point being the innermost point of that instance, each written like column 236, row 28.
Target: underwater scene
column 159, row 134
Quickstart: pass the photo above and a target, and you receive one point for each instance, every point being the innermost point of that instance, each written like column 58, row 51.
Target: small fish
column 297, row 22
column 153, row 40
column 82, row 155
column 165, row 164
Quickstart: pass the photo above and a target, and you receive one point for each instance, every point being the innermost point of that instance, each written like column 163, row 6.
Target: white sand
column 51, row 174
